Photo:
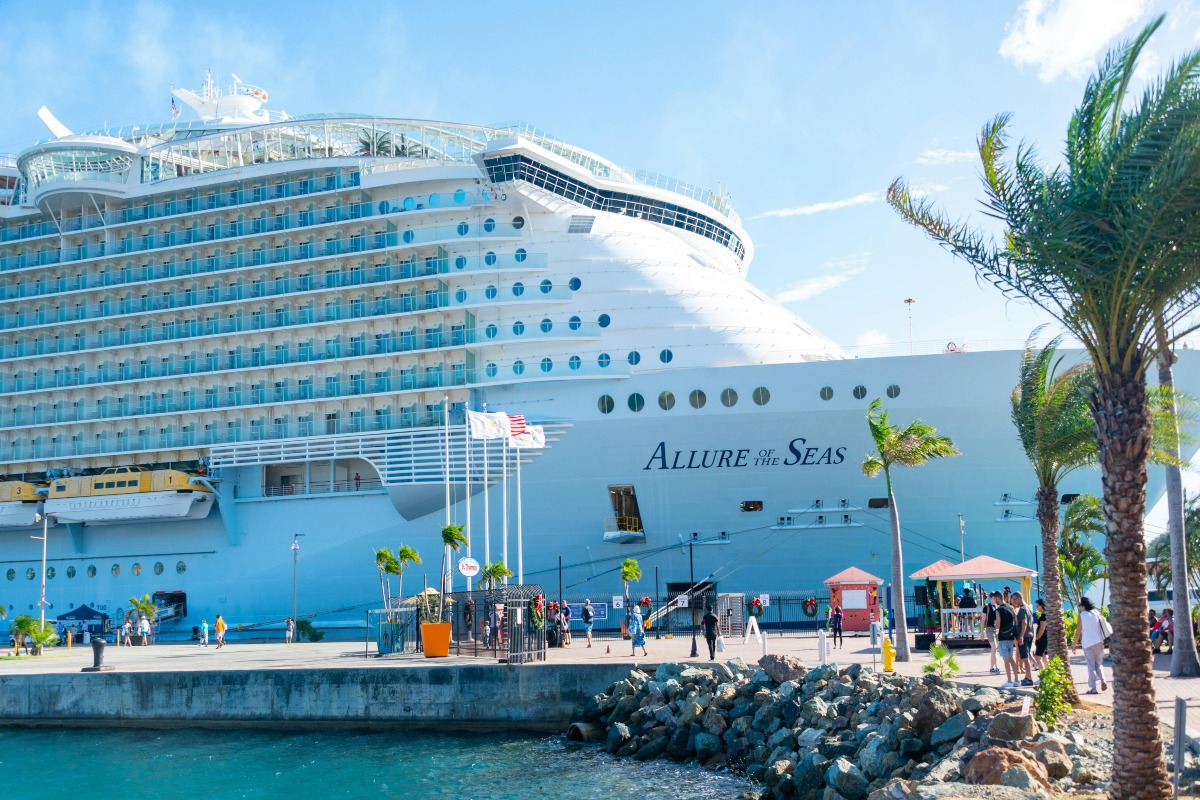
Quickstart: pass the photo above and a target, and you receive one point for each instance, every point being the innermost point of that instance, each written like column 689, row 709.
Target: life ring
column 810, row 607
column 951, row 347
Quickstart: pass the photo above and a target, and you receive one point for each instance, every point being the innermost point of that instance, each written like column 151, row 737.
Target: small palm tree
column 144, row 607
column 405, row 555
column 1162, row 566
column 494, row 574
column 909, row 447
column 387, row 565
column 23, row 626
column 630, row 573
column 378, row 144
column 452, row 540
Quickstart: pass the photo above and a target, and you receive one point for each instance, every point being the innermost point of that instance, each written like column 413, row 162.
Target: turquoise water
column 135, row 764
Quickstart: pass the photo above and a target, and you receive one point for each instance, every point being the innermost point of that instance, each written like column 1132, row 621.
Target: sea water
column 130, row 764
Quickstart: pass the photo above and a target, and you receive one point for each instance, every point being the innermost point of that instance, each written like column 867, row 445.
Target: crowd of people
column 1016, row 635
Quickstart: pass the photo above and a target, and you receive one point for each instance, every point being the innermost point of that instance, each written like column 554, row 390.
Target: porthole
column 518, row 327
column 70, row 572
column 546, row 325
column 859, row 392
column 12, row 574
column 490, row 259
column 605, row 403
column 460, row 262
column 518, row 367
column 461, row 295
column 893, row 391
column 158, row 568
column 116, row 570
column 546, row 286
column 634, row 358
column 491, row 370
column 491, row 330
column 728, row 398
column 489, row 225
column 518, row 289
column 575, row 323
column 409, row 203
column 666, row 401
column 547, row 365
column 574, row 362
column 518, row 223
column 180, row 567
column 463, row 228
column 460, row 196
column 137, row 569
column 697, row 398
column 408, row 237
column 520, row 255
column 50, row 573
column 665, row 356
column 91, row 571
column 604, row 320
column 384, row 207
column 30, row 573
column 434, row 201
column 604, row 360
column 490, row 292
column 636, row 402
column 761, row 396
column 575, row 283
column 826, row 393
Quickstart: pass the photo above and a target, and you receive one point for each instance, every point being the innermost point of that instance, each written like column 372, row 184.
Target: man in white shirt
column 1090, row 633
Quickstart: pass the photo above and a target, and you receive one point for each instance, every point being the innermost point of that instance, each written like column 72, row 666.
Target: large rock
column 776, row 772
column 652, row 749
column 1007, row 727
column 618, row 735
column 984, row 699
column 625, row 708
column 937, row 705
column 950, row 730
column 782, row 667
column 1053, row 756
column 988, row 767
column 666, row 672
column 847, row 779
column 713, row 722
column 870, row 757
column 677, row 747
column 1019, row 778
column 707, row 746
column 691, row 710
column 809, row 737
column 808, row 778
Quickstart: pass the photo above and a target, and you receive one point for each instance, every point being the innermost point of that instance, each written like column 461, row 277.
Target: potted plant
column 435, row 626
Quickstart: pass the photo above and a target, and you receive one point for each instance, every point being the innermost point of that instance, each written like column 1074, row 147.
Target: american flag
column 516, row 424
column 174, row 109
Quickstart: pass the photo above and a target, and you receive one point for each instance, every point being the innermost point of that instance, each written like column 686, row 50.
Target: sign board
column 766, row 599
column 618, row 601
column 468, row 567
column 681, row 601
column 854, row 599
column 599, row 612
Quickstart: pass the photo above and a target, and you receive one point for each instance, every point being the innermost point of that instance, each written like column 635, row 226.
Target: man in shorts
column 588, row 615
column 989, row 627
column 1006, row 634
column 1024, row 637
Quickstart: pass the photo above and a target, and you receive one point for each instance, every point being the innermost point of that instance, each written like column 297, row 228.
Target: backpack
column 586, row 614
column 1005, row 628
column 989, row 616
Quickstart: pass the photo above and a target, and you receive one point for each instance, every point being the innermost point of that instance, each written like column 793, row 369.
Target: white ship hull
column 18, row 515
column 125, row 508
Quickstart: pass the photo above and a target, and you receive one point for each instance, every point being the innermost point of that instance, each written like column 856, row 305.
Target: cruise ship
column 238, row 350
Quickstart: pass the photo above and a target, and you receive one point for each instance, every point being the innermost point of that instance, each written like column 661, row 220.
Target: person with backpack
column 1091, row 632
column 989, row 627
column 709, row 626
column 1006, row 635
column 587, row 615
column 1024, row 637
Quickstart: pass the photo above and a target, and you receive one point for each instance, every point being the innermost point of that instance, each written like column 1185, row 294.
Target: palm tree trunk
column 1184, row 663
column 1056, row 630
column 1123, row 435
column 898, row 610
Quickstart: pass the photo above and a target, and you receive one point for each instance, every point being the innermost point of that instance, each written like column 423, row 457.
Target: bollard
column 98, row 665
column 69, row 639
column 821, row 651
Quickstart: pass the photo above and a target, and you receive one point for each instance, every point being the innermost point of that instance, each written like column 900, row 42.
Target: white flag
column 487, row 426
column 534, row 437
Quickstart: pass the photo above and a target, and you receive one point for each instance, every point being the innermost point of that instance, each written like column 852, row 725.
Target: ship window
column 518, row 223
column 50, row 573
column 893, row 391
column 62, row 487
column 490, row 330
column 636, row 402
column 30, row 573
column 520, row 255
column 518, row 289
column 12, row 574
column 546, row 286
column 137, row 569
column 120, row 484
column 461, row 295
column 490, row 292
column 518, row 327
column 116, row 570
column 70, row 572
column 181, row 567
column 752, row 505
column 574, row 323
column 491, row 370
column 490, row 259
column 91, row 571
column 728, row 398
column 459, row 196
column 634, row 358
column 110, row 485
column 409, row 204
column 666, row 401
column 575, row 283
column 158, row 568
column 761, row 396
column 860, row 392
column 574, row 362
column 460, row 262
column 489, row 225
column 463, row 228
column 435, row 200
column 697, row 398
column 408, row 237
column 826, row 393
column 546, row 325
column 604, row 360
column 665, row 356
column 518, row 366
column 580, row 223
column 547, row 365
column 606, row 406
column 604, row 320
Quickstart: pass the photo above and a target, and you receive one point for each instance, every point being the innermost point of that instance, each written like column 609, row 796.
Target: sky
column 805, row 112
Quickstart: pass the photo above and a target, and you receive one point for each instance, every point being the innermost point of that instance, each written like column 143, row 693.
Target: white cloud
column 925, row 191
column 937, row 156
column 817, row 208
column 1066, row 37
column 873, row 338
column 838, row 271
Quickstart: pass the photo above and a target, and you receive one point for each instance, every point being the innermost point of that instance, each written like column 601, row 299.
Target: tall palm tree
column 1057, row 432
column 1105, row 244
column 405, row 555
column 1080, row 563
column 1162, row 567
column 909, row 447
column 387, row 565
column 630, row 573
column 452, row 539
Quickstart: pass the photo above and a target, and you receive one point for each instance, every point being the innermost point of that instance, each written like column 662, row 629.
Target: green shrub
column 944, row 664
column 1051, row 703
column 305, row 630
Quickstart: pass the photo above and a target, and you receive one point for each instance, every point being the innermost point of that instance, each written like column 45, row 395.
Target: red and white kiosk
column 857, row 592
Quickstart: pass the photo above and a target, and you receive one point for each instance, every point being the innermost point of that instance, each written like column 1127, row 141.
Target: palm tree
column 1105, row 244
column 452, row 539
column 1058, row 435
column 630, row 573
column 374, row 144
column 1162, row 566
column 405, row 555
column 909, row 447
column 387, row 565
column 1080, row 563
column 144, row 607
column 494, row 574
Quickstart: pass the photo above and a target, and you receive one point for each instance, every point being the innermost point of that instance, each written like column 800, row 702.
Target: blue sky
column 805, row 111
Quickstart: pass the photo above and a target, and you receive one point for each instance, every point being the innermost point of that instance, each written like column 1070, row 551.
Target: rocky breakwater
column 843, row 733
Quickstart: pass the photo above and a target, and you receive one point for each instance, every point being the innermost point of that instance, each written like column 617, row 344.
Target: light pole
column 692, row 591
column 45, row 520
column 295, row 563
column 909, row 302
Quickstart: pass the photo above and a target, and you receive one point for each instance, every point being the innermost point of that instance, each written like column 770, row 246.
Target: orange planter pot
column 436, row 638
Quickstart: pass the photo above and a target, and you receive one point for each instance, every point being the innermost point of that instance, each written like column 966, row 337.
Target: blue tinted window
column 575, row 323
column 490, row 292
column 518, row 327
column 463, row 228
column 460, row 196
column 461, row 295
column 636, row 402
column 574, row 362
column 490, row 259
column 518, row 366
column 491, row 370
column 665, row 356
column 604, row 320
column 408, row 236
column 634, row 357
column 518, row 222
column 575, row 284
column 546, row 286
column 520, row 255
column 491, row 330
column 435, row 200
column 518, row 289
column 546, row 325
column 460, row 262
column 489, row 225
column 547, row 365
column 409, row 204
column 604, row 360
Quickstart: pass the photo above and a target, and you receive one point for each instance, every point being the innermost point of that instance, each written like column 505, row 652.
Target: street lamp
column 692, row 591
column 45, row 520
column 295, row 563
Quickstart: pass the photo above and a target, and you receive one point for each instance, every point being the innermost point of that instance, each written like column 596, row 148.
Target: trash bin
column 87, row 637
column 551, row 636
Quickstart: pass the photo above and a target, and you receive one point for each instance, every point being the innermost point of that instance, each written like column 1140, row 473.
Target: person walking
column 835, row 626
column 203, row 633
column 1024, row 637
column 144, row 630
column 290, row 631
column 708, row 624
column 588, row 615
column 637, row 634
column 126, row 632
column 1041, row 640
column 1090, row 633
column 566, row 623
column 990, row 618
column 1006, row 634
column 220, row 628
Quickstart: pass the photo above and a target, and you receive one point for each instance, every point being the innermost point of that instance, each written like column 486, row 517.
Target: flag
column 516, row 424
column 487, row 426
column 174, row 109
column 533, row 438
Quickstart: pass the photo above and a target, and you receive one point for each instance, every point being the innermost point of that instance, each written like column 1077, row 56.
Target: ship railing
column 623, row 525
column 8, row 161
column 321, row 487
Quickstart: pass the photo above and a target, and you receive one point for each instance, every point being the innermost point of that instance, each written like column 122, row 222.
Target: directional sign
column 468, row 567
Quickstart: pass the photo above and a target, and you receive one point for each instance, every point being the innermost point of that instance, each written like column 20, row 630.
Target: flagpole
column 448, row 576
column 467, row 478
column 520, row 545
column 487, row 490
column 504, row 506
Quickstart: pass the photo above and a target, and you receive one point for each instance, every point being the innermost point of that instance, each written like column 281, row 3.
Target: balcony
column 624, row 530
